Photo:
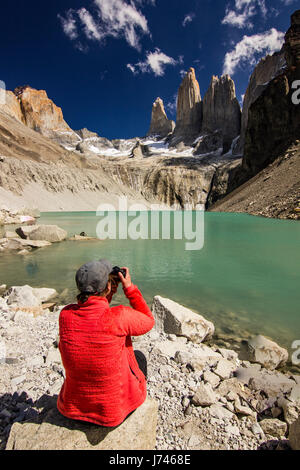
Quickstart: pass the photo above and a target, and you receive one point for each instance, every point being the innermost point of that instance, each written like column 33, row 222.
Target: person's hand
column 126, row 281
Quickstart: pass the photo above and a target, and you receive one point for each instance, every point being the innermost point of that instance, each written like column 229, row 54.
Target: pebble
column 17, row 380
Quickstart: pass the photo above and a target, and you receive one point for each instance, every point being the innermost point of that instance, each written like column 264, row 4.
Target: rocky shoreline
column 208, row 397
column 30, row 236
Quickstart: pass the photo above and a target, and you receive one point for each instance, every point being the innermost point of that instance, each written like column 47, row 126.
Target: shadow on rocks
column 275, row 445
column 19, row 408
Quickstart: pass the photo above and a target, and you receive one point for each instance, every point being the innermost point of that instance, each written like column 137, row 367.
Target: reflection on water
column 245, row 279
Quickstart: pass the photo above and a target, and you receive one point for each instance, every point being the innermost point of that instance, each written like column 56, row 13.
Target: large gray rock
column 291, row 410
column 199, row 358
column 26, row 296
column 55, row 432
column 204, row 396
column 49, row 233
column 294, row 435
column 274, row 427
column 264, row 351
column 224, row 369
column 44, row 294
column 272, row 383
column 160, row 124
column 221, row 110
column 22, row 296
column 175, row 319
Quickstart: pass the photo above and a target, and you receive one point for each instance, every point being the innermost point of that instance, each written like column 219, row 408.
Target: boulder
column 291, row 410
column 231, row 389
column 273, row 384
column 160, row 125
column 224, row 369
column 263, row 351
column 8, row 234
column 22, row 296
column 220, row 412
column 35, row 243
column 204, row 396
column 211, row 378
column 49, row 233
column 243, row 409
column 199, row 359
column 274, row 428
column 294, row 435
column 55, row 432
column 26, row 296
column 175, row 319
column 44, row 294
column 295, row 393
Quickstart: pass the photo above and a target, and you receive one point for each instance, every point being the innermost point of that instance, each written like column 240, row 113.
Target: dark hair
column 84, row 296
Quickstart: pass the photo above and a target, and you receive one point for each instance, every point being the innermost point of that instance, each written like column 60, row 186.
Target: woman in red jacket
column 104, row 382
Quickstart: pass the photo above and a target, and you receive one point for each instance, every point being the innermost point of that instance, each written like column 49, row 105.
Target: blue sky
column 106, row 61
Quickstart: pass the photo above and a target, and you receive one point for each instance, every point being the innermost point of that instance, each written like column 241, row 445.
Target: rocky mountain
column 274, row 192
column 40, row 114
column 270, row 172
column 292, row 42
column 221, row 110
column 62, row 168
column 264, row 72
column 160, row 125
column 189, row 110
column 210, row 126
column 273, row 119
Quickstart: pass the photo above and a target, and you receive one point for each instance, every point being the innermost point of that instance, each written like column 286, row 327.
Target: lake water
column 245, row 279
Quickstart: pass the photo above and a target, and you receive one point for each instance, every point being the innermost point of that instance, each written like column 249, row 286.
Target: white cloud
column 241, row 13
column 171, row 106
column 91, row 29
column 246, row 52
column 69, row 24
column 109, row 18
column 155, row 62
column 188, row 19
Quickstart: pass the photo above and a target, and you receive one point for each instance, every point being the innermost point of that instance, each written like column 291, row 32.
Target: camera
column 115, row 272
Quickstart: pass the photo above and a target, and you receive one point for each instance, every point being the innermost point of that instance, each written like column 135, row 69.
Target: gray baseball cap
column 93, row 277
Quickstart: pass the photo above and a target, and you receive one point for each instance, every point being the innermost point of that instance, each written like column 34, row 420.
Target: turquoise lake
column 245, row 279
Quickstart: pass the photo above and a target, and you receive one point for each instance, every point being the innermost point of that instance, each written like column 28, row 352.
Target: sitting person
column 104, row 381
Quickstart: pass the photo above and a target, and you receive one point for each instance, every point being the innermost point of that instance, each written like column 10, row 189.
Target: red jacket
column 103, row 381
